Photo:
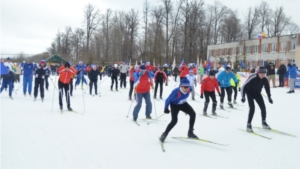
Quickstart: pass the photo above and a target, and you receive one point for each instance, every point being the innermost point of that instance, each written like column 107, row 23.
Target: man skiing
column 192, row 78
column 142, row 83
column 123, row 71
column 235, row 86
column 80, row 77
column 27, row 77
column 224, row 82
column 252, row 87
column 208, row 86
column 65, row 74
column 131, row 80
column 178, row 102
column 114, row 76
column 7, row 81
column 39, row 79
column 159, row 78
column 292, row 76
column 93, row 76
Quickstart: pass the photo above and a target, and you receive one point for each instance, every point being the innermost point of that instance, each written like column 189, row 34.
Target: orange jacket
column 184, row 70
column 209, row 85
column 65, row 76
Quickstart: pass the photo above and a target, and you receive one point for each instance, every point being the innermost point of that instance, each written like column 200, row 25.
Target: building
column 255, row 52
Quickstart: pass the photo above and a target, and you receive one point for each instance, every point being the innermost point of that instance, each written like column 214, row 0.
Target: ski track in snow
column 34, row 137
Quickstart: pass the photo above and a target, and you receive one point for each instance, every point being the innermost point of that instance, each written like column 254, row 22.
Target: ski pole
column 53, row 94
column 18, row 88
column 129, row 109
column 156, row 119
column 154, row 107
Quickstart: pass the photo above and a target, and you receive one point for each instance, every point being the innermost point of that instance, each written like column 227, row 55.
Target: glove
column 243, row 100
column 270, row 100
column 201, row 96
column 239, row 89
column 167, row 111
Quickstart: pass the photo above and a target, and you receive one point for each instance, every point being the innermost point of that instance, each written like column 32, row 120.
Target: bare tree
column 146, row 13
column 265, row 12
column 167, row 12
column 219, row 12
column 279, row 21
column 231, row 27
column 292, row 28
column 252, row 20
column 92, row 20
column 106, row 28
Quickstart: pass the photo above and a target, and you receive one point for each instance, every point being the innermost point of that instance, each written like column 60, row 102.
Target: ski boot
column 148, row 117
column 204, row 113
column 265, row 125
column 42, row 99
column 134, row 118
column 230, row 104
column 70, row 109
column 221, row 106
column 192, row 135
column 205, row 109
column 34, row 99
column 116, row 89
column 234, row 102
column 193, row 98
column 214, row 108
column 61, row 107
column 249, row 128
column 161, row 97
column 163, row 137
column 11, row 97
column 154, row 96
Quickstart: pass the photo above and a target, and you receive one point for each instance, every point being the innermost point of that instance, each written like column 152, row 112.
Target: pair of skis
column 270, row 130
column 213, row 116
column 195, row 139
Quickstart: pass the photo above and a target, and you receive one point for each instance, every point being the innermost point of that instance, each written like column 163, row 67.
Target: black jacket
column 271, row 69
column 176, row 71
column 93, row 74
column 281, row 70
column 40, row 72
column 254, row 84
column 114, row 72
column 9, row 76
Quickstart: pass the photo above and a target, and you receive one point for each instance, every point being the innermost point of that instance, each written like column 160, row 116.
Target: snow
column 34, row 137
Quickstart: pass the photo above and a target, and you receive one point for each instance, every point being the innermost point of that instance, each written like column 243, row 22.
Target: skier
column 208, row 86
column 159, row 78
column 178, row 102
column 293, row 74
column 39, row 79
column 184, row 70
column 80, row 77
column 235, row 86
column 114, row 76
column 93, row 76
column 27, row 77
column 47, row 74
column 142, row 82
column 252, row 87
column 123, row 71
column 7, row 81
column 281, row 71
column 271, row 72
column 192, row 78
column 224, row 82
column 131, row 79
column 175, row 73
column 17, row 73
column 201, row 73
column 65, row 74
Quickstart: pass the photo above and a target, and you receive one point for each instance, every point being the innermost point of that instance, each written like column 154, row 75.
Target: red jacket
column 209, row 85
column 65, row 76
column 184, row 70
column 131, row 72
column 164, row 76
column 144, row 82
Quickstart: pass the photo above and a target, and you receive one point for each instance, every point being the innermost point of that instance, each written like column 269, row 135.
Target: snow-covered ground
column 34, row 137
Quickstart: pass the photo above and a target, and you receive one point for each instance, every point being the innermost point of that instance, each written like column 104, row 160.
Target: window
column 216, row 52
column 283, row 46
column 293, row 46
column 233, row 51
column 227, row 51
column 265, row 47
column 274, row 47
column 255, row 49
column 241, row 51
column 248, row 49
column 222, row 52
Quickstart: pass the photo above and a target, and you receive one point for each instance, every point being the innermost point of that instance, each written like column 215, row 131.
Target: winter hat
column 42, row 62
column 228, row 67
column 136, row 67
column 93, row 66
column 142, row 67
column 184, row 82
column 191, row 71
column 115, row 65
column 262, row 70
column 67, row 65
column 211, row 73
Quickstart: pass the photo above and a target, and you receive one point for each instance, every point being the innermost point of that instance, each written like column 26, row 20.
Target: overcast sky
column 29, row 26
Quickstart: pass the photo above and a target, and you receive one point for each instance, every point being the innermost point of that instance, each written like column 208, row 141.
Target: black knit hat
column 211, row 73
column 262, row 70
column 67, row 65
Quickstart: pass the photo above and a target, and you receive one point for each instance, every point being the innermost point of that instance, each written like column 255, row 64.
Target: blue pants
column 27, row 80
column 78, row 80
column 139, row 97
column 4, row 84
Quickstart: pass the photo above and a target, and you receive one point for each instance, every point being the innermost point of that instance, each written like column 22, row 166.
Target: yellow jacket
column 232, row 83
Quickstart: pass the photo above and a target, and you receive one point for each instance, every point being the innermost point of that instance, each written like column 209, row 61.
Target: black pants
column 186, row 108
column 38, row 82
column 114, row 79
column 46, row 82
column 93, row 81
column 71, row 86
column 235, row 92
column 281, row 80
column 211, row 95
column 175, row 77
column 123, row 80
column 100, row 76
column 228, row 91
column 63, row 87
column 131, row 88
column 160, row 83
column 260, row 101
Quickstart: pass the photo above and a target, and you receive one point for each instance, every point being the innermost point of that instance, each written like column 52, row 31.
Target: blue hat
column 142, row 67
column 184, row 82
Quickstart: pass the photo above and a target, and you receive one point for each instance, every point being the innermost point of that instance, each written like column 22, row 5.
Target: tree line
column 173, row 28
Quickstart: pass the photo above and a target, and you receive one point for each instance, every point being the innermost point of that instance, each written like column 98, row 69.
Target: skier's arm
column 171, row 97
column 267, row 87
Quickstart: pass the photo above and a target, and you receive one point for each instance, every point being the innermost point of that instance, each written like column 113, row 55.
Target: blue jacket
column 136, row 75
column 293, row 72
column 81, row 69
column 28, row 69
column 177, row 97
column 224, row 78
